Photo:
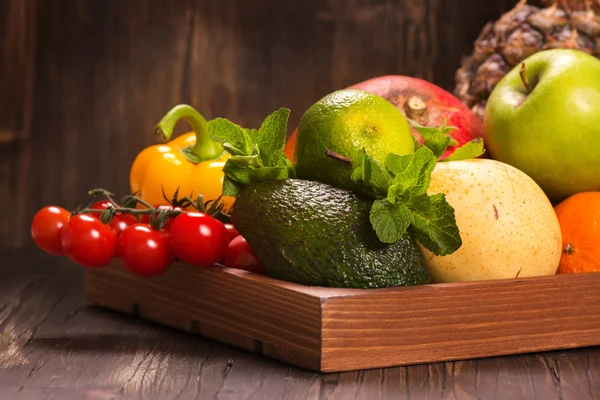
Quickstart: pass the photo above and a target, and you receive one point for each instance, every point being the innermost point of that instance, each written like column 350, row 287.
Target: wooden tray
column 330, row 330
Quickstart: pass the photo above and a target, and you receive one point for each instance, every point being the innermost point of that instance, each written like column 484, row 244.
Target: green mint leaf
column 471, row 149
column 425, row 131
column 357, row 175
column 239, row 174
column 241, row 171
column 437, row 143
column 407, row 205
column 390, row 221
column 269, row 173
column 252, row 161
column 397, row 163
column 247, row 175
column 429, row 130
column 413, row 174
column 434, row 225
column 256, row 154
column 279, row 159
column 272, row 135
column 253, row 136
column 416, row 143
column 230, row 135
column 436, row 139
column 231, row 187
column 370, row 175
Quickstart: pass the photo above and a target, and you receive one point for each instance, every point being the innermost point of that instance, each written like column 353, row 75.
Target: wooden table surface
column 53, row 345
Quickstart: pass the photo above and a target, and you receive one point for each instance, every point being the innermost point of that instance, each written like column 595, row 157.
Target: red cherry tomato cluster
column 195, row 238
column 120, row 221
column 146, row 217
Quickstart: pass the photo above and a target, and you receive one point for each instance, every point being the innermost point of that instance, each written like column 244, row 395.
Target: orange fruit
column 579, row 218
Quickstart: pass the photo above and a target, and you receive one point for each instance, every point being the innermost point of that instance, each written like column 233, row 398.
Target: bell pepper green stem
column 205, row 148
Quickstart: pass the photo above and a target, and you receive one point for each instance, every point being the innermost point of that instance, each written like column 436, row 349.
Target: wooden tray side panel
column 226, row 306
column 434, row 323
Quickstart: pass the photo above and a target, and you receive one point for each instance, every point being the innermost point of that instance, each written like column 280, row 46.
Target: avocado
column 315, row 234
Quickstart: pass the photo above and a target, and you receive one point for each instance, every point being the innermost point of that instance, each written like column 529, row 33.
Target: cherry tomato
column 145, row 219
column 241, row 256
column 198, row 239
column 145, row 251
column 231, row 231
column 88, row 242
column 46, row 229
column 120, row 222
column 101, row 205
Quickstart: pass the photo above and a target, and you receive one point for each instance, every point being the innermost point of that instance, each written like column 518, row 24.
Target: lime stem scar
column 338, row 156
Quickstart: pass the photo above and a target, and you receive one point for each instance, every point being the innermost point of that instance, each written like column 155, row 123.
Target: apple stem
column 338, row 156
column 524, row 78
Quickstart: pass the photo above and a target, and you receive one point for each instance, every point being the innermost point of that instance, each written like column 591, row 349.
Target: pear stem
column 524, row 78
column 338, row 156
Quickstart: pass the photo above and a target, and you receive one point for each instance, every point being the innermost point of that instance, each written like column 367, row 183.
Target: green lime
column 343, row 122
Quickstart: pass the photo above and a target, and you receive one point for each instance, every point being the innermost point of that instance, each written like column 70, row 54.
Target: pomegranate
column 423, row 102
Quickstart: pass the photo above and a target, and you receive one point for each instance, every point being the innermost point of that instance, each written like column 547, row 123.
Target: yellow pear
column 507, row 224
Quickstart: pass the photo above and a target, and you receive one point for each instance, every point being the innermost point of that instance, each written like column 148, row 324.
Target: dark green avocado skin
column 315, row 234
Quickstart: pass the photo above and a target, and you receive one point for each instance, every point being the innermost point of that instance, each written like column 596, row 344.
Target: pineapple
column 522, row 31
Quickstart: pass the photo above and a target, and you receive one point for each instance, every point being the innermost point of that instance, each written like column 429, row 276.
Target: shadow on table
column 93, row 329
column 97, row 331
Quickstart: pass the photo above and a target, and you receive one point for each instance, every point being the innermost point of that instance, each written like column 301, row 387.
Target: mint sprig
column 256, row 154
column 438, row 140
column 412, row 174
column 434, row 224
column 405, row 204
column 471, row 149
column 390, row 221
column 371, row 177
column 399, row 188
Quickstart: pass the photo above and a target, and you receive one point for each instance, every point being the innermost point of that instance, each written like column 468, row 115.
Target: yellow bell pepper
column 192, row 163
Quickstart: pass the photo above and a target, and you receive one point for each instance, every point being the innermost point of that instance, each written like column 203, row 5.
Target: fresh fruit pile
column 534, row 80
column 519, row 33
column 422, row 102
column 384, row 183
column 145, row 239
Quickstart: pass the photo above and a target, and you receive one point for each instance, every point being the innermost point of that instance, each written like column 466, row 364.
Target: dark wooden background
column 83, row 82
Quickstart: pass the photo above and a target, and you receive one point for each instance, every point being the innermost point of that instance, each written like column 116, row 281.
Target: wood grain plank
column 571, row 374
column 395, row 382
column 18, row 22
column 515, row 377
column 60, row 347
column 464, row 382
column 362, row 329
column 104, row 79
column 592, row 372
column 436, row 323
column 431, row 381
column 268, row 319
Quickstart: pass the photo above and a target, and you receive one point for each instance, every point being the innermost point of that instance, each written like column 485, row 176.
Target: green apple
column 543, row 118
